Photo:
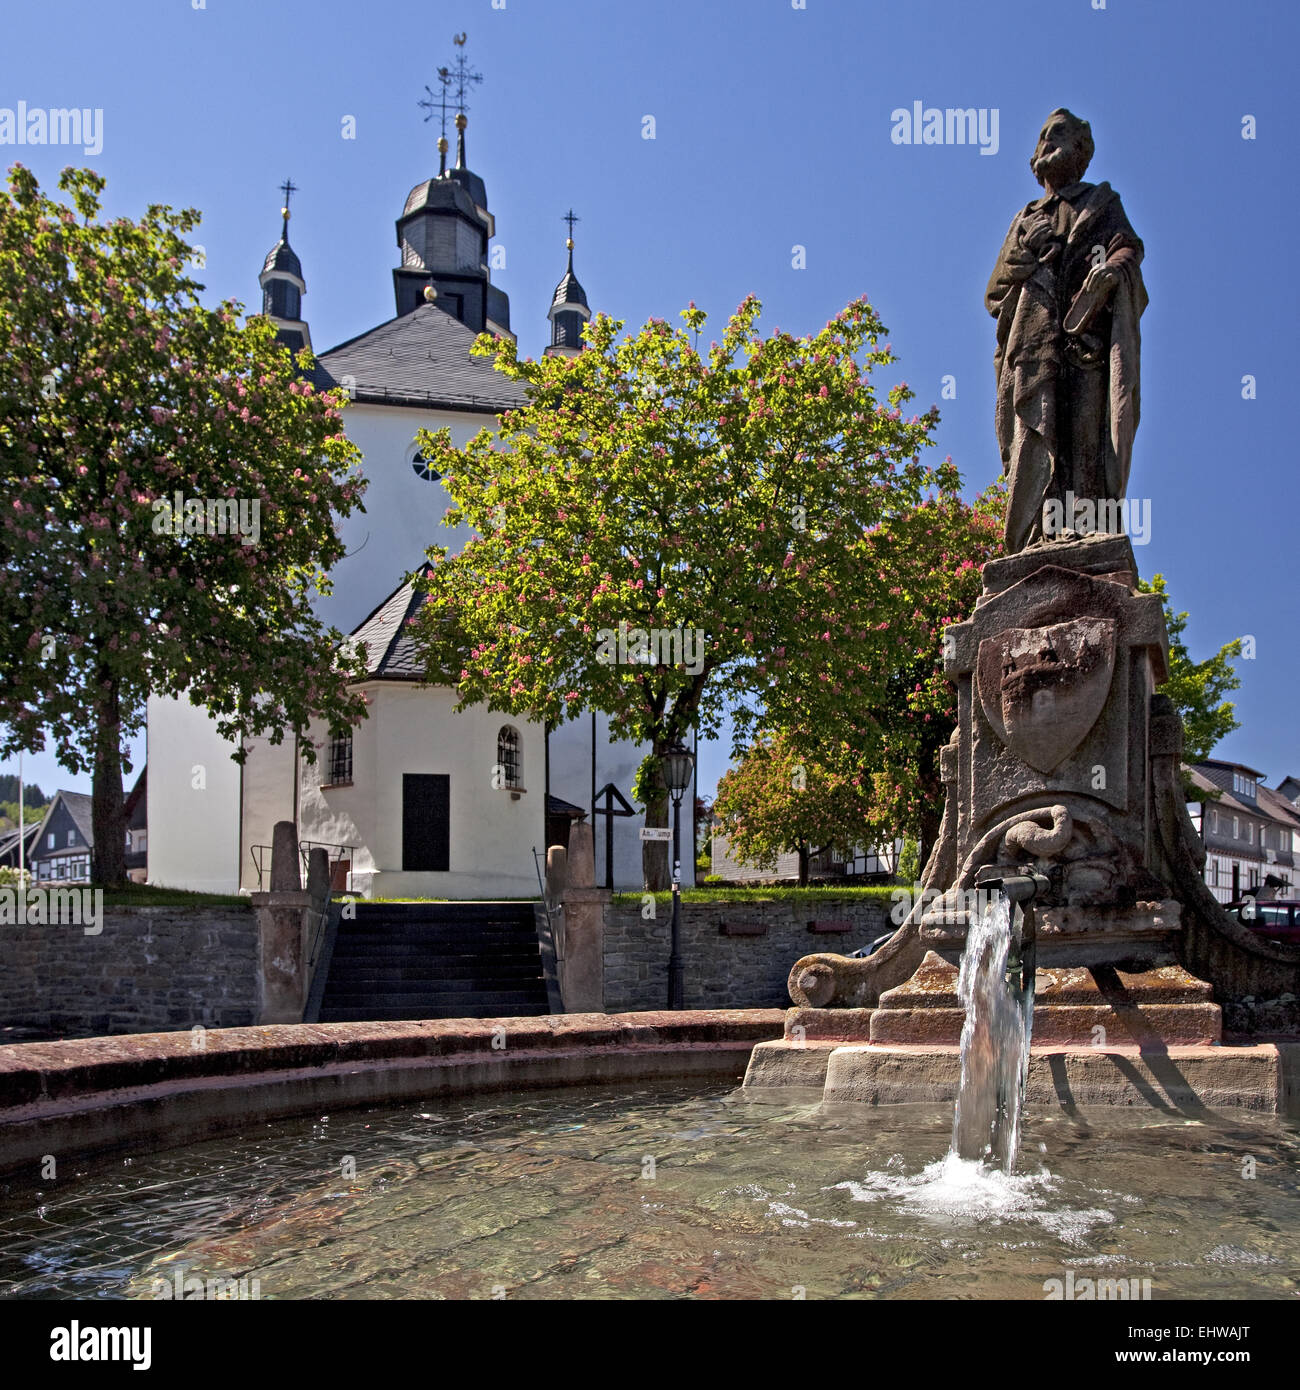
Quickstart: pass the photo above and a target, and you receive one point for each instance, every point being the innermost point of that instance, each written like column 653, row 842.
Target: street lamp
column 678, row 767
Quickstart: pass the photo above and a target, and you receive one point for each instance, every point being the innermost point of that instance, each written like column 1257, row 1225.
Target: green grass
column 778, row 894
column 361, row 898
column 146, row 895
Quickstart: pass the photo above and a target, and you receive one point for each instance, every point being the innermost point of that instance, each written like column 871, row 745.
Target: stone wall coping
column 154, row 1090
column 285, row 897
column 32, row 1073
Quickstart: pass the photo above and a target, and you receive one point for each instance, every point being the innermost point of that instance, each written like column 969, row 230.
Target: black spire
column 282, row 283
column 569, row 309
column 445, row 226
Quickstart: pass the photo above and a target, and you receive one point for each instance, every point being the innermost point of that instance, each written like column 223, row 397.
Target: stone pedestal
column 1049, row 772
column 1074, row 1006
column 582, row 970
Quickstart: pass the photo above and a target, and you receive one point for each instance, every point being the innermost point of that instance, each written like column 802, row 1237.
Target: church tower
column 283, row 286
column 445, row 227
column 569, row 310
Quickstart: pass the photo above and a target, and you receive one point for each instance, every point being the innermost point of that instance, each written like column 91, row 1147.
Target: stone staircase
column 433, row 960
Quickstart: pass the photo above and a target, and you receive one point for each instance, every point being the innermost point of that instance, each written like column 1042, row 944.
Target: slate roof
column 1277, row 806
column 78, row 807
column 421, row 359
column 282, row 256
column 471, row 183
column 390, row 650
column 439, row 194
column 9, row 842
column 569, row 292
column 1268, row 804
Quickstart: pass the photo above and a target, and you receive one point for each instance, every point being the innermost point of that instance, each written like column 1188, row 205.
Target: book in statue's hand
column 1086, row 306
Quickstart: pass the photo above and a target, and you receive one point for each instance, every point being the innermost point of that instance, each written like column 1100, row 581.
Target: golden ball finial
column 284, row 212
column 430, row 294
column 568, row 241
column 442, row 144
column 461, row 120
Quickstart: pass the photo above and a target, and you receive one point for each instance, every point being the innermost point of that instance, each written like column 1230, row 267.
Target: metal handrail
column 260, row 854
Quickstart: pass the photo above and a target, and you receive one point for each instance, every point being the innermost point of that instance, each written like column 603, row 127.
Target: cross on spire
column 288, row 187
column 437, row 103
column 465, row 76
column 570, row 217
column 440, row 104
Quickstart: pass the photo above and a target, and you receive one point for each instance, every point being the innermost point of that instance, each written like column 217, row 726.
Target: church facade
column 420, row 800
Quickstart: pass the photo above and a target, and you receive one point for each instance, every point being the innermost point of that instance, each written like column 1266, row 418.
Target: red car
column 1275, row 919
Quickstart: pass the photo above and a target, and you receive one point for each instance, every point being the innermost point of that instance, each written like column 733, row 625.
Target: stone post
column 582, row 981
column 282, row 917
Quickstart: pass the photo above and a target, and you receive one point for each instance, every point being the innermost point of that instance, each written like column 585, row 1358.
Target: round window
column 424, row 469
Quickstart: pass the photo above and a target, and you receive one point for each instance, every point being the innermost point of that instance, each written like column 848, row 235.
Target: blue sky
column 772, row 129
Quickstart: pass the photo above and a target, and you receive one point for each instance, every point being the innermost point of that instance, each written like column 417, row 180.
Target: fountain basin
column 687, row 1190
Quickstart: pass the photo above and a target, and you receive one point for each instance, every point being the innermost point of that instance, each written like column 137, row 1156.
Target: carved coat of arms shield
column 1042, row 688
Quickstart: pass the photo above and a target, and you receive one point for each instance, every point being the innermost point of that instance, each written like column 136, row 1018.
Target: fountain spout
column 1021, row 890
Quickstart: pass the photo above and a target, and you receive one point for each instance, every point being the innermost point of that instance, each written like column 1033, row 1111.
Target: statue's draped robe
column 1067, row 408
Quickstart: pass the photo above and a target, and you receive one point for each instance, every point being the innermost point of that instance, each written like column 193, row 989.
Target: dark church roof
column 282, row 256
column 569, row 292
column 386, row 636
column 472, row 184
column 420, row 359
column 440, row 194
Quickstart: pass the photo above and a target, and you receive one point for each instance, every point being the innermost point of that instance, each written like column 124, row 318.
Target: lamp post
column 678, row 766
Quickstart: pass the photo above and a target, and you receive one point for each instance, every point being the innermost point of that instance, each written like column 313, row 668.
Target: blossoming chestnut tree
column 121, row 390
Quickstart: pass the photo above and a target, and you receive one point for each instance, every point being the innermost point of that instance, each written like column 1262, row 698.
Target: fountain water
column 997, row 993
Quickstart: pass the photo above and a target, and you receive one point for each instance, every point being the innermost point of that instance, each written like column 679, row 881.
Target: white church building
column 419, row 800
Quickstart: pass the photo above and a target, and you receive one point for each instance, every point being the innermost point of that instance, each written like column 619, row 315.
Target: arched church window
column 424, row 468
column 510, row 758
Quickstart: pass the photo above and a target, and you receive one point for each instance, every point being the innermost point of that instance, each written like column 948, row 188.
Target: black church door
column 426, row 822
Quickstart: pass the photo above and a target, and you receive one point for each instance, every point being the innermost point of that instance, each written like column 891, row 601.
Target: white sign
column 655, row 832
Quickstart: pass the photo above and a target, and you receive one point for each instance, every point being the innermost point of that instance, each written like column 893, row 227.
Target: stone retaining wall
column 747, row 970
column 150, row 969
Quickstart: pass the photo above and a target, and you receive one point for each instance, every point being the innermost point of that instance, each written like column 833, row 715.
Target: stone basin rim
column 88, row 1096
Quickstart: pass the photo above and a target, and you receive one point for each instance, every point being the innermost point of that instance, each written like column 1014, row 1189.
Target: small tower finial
column 288, row 187
column 570, row 217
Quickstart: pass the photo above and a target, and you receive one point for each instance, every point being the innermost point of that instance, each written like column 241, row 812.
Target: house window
column 509, row 770
column 1214, row 821
column 1243, row 785
column 49, row 840
column 1250, row 832
column 340, row 759
column 72, row 837
column 1236, row 828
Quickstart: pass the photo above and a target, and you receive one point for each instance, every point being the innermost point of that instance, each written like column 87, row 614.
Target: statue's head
column 1064, row 149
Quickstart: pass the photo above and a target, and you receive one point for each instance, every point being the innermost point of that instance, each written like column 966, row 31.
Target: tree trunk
column 656, row 855
column 803, row 863
column 107, row 817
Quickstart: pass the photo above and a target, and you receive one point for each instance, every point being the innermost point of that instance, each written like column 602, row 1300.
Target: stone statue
column 1067, row 294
